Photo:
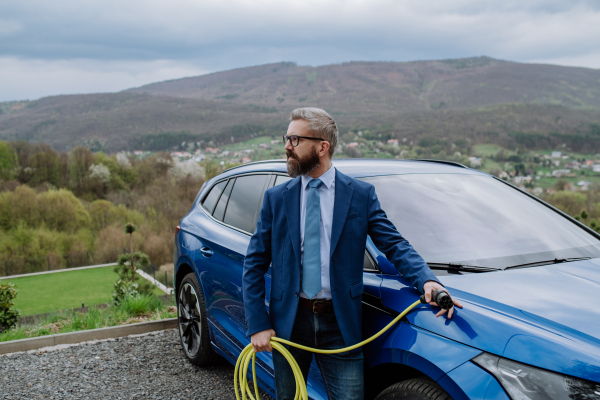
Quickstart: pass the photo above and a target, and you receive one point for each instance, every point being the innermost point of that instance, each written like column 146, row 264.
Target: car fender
column 409, row 345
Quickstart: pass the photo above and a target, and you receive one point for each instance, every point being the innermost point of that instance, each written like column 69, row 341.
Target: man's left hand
column 429, row 288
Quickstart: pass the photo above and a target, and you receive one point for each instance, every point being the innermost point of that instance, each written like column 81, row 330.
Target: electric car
column 527, row 274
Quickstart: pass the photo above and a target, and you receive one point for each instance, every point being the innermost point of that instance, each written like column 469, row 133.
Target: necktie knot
column 315, row 183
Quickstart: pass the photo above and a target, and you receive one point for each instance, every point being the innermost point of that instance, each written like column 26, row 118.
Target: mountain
column 392, row 87
column 478, row 98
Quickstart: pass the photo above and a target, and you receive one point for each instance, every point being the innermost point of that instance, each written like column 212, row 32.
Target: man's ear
column 324, row 149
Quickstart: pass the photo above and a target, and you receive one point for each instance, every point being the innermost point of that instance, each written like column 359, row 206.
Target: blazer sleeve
column 396, row 248
column 256, row 264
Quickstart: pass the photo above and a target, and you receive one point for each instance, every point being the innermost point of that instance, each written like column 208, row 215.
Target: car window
column 368, row 265
column 243, row 202
column 211, row 200
column 477, row 220
column 222, row 204
column 281, row 179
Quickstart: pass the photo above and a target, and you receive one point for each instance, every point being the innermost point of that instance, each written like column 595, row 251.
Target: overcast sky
column 87, row 46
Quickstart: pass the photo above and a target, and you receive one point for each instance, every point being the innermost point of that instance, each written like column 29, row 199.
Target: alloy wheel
column 190, row 320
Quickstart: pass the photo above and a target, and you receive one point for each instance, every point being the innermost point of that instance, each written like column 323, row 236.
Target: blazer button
column 296, row 294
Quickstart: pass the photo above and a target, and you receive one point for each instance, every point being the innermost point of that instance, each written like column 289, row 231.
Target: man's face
column 304, row 158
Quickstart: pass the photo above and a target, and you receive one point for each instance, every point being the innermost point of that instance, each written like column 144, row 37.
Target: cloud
column 32, row 79
column 217, row 35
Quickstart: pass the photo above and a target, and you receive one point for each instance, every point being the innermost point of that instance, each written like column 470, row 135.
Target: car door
column 237, row 212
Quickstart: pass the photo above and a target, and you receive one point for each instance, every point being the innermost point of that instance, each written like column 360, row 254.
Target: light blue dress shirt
column 327, row 195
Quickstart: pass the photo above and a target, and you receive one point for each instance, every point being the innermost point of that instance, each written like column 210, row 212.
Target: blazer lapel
column 292, row 213
column 343, row 196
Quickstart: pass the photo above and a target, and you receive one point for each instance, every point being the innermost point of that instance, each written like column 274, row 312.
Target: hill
column 393, row 86
column 477, row 98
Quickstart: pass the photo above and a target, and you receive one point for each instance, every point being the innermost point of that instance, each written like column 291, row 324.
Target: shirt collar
column 327, row 178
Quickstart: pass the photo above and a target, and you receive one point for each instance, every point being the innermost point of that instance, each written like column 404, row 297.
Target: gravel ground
column 149, row 366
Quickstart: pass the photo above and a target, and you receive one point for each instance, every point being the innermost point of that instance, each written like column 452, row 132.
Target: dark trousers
column 342, row 373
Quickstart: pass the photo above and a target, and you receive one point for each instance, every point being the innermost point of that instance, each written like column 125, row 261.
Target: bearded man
column 313, row 232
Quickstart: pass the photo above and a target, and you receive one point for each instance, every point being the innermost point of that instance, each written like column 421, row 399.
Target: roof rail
column 279, row 160
column 254, row 163
column 440, row 162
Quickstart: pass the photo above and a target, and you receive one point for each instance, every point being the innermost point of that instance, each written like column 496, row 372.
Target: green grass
column 487, row 150
column 65, row 290
column 132, row 310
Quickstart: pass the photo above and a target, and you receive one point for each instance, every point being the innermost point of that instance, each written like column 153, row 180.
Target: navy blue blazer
column 276, row 242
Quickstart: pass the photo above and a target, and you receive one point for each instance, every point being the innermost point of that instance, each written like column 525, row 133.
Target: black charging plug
column 441, row 297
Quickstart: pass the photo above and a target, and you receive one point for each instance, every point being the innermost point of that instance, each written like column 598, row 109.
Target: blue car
column 527, row 274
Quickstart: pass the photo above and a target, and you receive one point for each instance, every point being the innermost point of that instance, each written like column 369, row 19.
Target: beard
column 302, row 166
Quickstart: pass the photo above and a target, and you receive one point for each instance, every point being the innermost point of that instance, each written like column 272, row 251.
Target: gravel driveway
column 150, row 366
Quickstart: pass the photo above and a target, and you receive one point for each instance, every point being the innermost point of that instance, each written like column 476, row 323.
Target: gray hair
column 321, row 124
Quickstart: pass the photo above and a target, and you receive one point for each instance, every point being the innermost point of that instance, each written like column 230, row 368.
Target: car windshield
column 477, row 220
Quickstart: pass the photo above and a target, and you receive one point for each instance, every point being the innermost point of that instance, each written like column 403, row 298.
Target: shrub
column 8, row 314
column 124, row 290
column 140, row 305
column 127, row 272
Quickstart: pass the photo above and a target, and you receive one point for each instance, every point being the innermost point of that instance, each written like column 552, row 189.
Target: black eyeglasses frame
column 287, row 138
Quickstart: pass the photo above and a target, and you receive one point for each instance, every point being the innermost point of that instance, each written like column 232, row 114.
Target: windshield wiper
column 547, row 262
column 458, row 267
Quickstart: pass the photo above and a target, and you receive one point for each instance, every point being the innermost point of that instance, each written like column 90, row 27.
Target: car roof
column 360, row 168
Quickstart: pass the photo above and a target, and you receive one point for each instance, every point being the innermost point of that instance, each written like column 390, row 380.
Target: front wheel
column 193, row 325
column 414, row 389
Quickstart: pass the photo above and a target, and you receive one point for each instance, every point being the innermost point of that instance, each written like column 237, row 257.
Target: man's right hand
column 261, row 341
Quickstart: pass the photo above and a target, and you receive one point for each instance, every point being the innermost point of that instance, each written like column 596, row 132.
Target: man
column 313, row 231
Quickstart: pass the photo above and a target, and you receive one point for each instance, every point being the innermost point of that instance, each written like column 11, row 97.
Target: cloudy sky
column 86, row 46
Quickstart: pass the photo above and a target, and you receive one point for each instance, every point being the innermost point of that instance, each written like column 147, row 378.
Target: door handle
column 206, row 252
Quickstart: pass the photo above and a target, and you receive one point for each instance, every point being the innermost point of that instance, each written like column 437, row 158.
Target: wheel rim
column 190, row 320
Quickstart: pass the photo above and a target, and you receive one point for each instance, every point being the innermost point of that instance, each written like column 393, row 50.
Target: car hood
column 545, row 316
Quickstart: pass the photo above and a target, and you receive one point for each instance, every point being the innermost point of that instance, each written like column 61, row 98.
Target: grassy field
column 129, row 311
column 65, row 290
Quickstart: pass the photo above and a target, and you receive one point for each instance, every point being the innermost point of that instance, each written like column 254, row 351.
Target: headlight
column 523, row 382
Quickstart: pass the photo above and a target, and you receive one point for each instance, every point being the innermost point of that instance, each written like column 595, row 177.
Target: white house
column 475, row 161
column 560, row 172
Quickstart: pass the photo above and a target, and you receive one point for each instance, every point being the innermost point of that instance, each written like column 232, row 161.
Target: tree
column 129, row 229
column 8, row 161
column 24, row 171
column 8, row 314
column 80, row 160
column 62, row 211
column 100, row 211
column 45, row 163
column 128, row 264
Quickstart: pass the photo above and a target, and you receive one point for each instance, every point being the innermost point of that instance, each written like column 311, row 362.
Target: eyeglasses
column 295, row 139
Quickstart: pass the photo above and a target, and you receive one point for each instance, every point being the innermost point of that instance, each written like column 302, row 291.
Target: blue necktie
column 311, row 266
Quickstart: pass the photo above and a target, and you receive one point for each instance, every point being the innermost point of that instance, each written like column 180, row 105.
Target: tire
column 192, row 323
column 414, row 389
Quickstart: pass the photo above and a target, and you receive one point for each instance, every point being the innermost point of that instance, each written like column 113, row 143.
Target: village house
column 475, row 162
column 518, row 180
column 584, row 185
column 560, row 172
column 181, row 154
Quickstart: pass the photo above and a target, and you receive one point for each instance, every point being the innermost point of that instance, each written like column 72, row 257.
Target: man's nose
column 288, row 145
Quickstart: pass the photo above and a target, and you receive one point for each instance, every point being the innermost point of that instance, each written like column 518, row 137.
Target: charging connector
column 441, row 297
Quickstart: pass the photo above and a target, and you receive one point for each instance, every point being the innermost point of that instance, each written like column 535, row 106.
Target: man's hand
column 429, row 288
column 261, row 341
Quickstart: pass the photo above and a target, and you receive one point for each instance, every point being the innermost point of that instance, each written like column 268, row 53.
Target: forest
column 53, row 204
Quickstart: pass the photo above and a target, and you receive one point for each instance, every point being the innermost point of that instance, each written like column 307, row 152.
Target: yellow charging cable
column 243, row 361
